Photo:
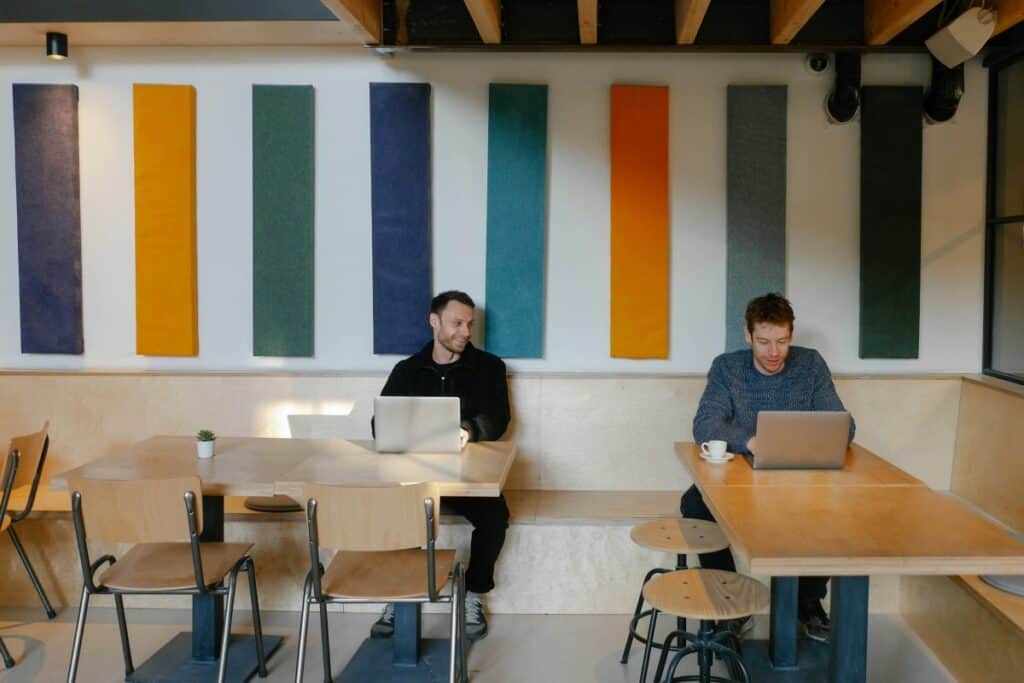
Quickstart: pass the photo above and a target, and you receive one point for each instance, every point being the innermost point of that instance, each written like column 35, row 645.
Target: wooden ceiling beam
column 1010, row 13
column 886, row 19
column 487, row 17
column 689, row 16
column 587, row 12
column 363, row 16
column 789, row 16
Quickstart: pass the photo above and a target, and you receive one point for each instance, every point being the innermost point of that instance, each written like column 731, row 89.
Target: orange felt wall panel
column 639, row 222
column 165, row 220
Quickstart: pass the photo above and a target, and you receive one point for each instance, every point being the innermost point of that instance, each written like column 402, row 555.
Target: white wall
column 822, row 202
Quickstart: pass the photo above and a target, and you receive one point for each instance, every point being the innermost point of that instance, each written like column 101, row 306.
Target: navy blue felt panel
column 756, row 201
column 49, row 217
column 400, row 210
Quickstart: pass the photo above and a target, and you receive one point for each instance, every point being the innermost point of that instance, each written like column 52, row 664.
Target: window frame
column 995, row 63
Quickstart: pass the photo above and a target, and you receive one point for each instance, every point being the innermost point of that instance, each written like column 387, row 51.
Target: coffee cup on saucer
column 714, row 450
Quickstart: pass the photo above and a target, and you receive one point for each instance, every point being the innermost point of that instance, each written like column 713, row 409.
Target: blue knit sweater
column 737, row 391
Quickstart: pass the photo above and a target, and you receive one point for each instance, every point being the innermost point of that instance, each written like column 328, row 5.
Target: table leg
column 407, row 634
column 208, row 610
column 848, row 659
column 783, row 636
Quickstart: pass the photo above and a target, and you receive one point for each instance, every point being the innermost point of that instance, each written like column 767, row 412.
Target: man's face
column 770, row 344
column 453, row 326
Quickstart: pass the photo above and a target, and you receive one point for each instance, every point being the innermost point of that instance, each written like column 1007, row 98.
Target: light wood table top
column 263, row 466
column 862, row 468
column 860, row 530
column 479, row 470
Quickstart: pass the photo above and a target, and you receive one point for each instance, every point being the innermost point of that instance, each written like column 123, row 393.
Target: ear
column 746, row 335
column 435, row 322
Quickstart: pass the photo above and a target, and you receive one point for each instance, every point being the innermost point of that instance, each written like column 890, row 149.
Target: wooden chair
column 163, row 517
column 681, row 537
column 9, row 474
column 385, row 541
column 31, row 450
column 707, row 595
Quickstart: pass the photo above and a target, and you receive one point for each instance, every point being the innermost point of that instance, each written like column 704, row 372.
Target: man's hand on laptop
column 751, row 444
column 463, row 438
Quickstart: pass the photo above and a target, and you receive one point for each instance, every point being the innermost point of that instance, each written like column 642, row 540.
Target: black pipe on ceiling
column 943, row 96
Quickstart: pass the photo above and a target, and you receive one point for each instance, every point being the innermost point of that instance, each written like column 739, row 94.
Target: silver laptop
column 416, row 424
column 801, row 440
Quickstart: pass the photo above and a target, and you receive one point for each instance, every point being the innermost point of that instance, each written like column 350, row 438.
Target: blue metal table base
column 174, row 662
column 812, row 667
column 375, row 661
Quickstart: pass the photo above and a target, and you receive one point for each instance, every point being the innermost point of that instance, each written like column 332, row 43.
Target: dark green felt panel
column 890, row 222
column 282, row 212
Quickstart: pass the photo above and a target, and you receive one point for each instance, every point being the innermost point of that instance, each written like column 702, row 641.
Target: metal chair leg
column 229, row 612
column 122, row 627
column 76, row 646
column 453, row 633
column 665, row 649
column 303, row 630
column 50, row 614
column 257, row 622
column 325, row 641
column 461, row 611
column 8, row 660
column 647, row 646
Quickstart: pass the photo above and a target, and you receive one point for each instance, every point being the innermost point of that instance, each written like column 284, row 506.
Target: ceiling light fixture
column 56, row 45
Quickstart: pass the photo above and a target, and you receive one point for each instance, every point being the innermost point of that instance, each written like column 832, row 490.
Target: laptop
column 801, row 440
column 416, row 424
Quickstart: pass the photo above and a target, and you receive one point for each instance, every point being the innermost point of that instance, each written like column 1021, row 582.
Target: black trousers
column 489, row 517
column 692, row 505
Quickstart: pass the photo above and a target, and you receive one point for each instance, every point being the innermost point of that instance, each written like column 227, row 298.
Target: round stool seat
column 680, row 536
column 706, row 594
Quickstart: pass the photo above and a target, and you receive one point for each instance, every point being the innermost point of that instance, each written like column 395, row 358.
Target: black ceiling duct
column 943, row 96
column 844, row 100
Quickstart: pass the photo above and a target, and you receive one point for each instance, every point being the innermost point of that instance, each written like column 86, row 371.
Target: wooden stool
column 673, row 535
column 707, row 595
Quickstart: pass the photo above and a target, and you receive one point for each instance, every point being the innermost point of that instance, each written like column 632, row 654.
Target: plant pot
column 204, row 449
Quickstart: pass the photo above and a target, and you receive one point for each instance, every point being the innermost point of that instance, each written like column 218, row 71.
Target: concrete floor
column 520, row 648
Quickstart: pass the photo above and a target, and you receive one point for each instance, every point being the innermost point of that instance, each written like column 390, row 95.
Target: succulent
column 205, row 435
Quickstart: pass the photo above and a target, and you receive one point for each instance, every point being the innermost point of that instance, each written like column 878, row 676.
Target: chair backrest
column 32, row 448
column 7, row 478
column 142, row 511
column 373, row 518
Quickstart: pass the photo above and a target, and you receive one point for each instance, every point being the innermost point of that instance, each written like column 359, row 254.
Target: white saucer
column 727, row 458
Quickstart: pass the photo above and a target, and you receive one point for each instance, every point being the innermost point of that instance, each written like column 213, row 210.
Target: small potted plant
column 204, row 443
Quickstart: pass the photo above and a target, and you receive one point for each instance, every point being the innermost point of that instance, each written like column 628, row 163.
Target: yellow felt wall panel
column 639, row 222
column 165, row 220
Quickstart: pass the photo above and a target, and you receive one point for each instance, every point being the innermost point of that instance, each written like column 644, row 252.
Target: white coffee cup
column 714, row 450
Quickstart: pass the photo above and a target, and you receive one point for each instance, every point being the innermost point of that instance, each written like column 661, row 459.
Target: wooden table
column 868, row 518
column 263, row 467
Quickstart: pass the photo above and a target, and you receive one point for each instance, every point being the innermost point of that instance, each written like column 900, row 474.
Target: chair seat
column 680, row 536
column 385, row 575
column 706, row 594
column 168, row 566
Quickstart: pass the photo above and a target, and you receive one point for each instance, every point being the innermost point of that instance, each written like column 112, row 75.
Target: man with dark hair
column 450, row 365
column 770, row 375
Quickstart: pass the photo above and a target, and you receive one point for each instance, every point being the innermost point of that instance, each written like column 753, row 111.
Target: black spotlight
column 842, row 103
column 943, row 96
column 57, row 45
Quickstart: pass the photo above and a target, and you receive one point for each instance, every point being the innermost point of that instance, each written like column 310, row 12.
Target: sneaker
column 814, row 623
column 476, row 622
column 385, row 626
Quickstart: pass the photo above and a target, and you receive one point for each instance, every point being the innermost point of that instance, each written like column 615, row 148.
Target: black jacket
column 477, row 378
